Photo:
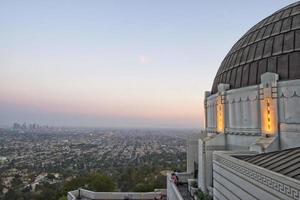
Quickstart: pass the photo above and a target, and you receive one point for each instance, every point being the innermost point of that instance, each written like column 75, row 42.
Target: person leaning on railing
column 174, row 178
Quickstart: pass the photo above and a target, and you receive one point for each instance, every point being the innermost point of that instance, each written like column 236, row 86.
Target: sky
column 107, row 63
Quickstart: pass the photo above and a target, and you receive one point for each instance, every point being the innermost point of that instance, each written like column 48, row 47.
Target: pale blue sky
column 116, row 63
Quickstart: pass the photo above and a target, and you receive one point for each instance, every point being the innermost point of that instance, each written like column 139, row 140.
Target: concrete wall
column 113, row 195
column 289, row 113
column 243, row 115
column 289, row 135
column 242, row 108
column 289, row 101
column 211, row 112
column 206, row 148
column 239, row 142
column 192, row 152
column 237, row 179
column 172, row 191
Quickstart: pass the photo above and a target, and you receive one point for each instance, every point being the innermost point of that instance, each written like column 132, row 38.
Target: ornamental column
column 268, row 104
column 221, row 120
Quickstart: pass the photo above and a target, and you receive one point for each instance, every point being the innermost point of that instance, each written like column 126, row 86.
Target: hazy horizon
column 116, row 63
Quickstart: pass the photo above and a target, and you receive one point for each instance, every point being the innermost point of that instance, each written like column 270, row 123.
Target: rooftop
column 285, row 162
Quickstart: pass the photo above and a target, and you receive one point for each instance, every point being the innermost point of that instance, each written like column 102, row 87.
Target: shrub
column 202, row 196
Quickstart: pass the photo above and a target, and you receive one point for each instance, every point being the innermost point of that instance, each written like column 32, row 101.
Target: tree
column 100, row 183
column 75, row 183
column 16, row 183
column 50, row 177
column 143, row 187
column 63, row 198
column 95, row 182
column 12, row 195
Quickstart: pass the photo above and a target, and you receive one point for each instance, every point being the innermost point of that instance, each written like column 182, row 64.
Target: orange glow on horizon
column 152, row 110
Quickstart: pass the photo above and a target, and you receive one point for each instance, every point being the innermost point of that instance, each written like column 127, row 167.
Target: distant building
column 250, row 148
column 16, row 126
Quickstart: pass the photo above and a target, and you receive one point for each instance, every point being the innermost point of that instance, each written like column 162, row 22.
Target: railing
column 72, row 195
column 184, row 176
column 114, row 195
column 172, row 190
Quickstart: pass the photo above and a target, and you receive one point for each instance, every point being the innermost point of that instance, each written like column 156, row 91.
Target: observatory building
column 250, row 148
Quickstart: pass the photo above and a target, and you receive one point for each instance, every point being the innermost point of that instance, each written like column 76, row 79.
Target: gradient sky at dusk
column 132, row 63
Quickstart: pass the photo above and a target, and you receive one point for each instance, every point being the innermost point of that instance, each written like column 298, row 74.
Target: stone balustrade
column 249, row 181
column 114, row 195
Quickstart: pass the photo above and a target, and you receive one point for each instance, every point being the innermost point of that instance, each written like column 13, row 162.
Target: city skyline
column 114, row 63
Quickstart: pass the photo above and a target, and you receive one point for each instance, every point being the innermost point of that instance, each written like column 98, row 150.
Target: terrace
column 184, row 190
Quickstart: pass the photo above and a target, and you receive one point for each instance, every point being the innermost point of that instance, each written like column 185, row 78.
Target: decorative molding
column 291, row 96
column 238, row 132
column 270, row 182
column 243, row 133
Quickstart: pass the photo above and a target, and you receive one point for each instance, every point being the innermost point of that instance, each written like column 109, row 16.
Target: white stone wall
column 113, row 195
column 289, row 101
column 211, row 119
column 241, row 110
column 289, row 113
column 242, row 106
column 239, row 142
column 206, row 148
column 192, row 153
column 237, row 179
column 289, row 135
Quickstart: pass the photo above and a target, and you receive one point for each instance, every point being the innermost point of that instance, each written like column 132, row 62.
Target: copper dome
column 272, row 45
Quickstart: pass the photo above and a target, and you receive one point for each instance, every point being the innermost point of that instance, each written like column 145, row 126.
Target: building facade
column 253, row 111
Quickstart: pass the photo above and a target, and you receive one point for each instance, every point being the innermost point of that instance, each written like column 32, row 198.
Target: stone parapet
column 238, row 179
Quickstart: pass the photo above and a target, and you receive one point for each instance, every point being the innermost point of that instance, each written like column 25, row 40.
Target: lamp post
column 79, row 195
